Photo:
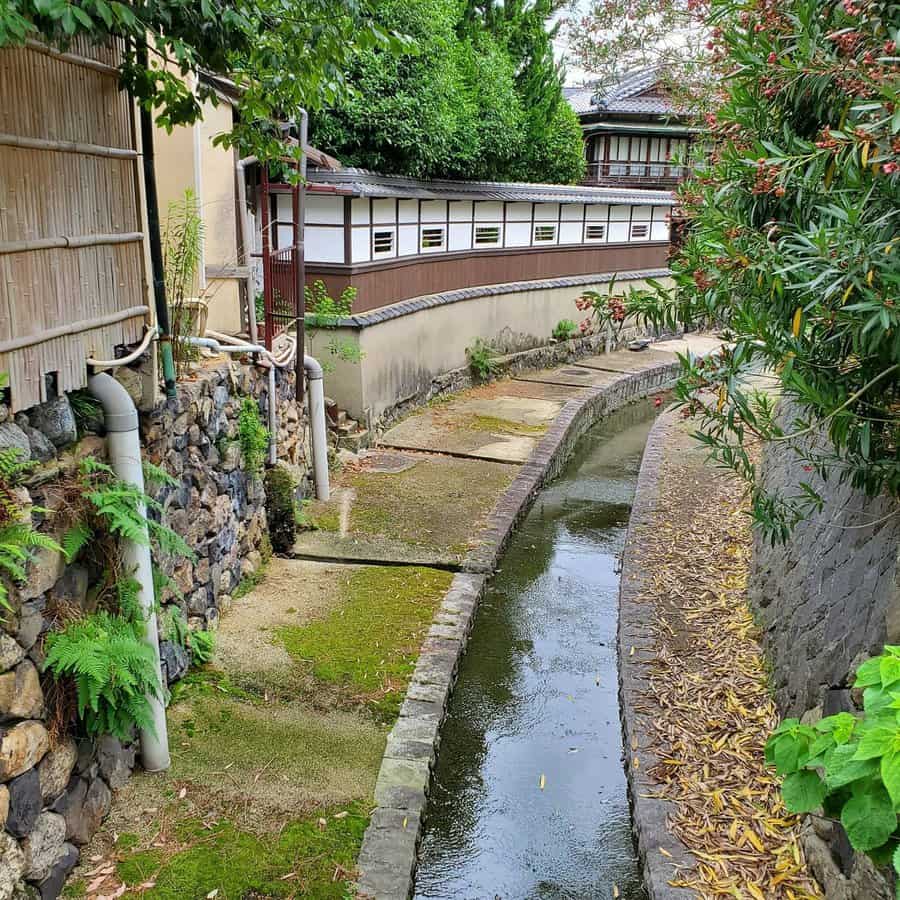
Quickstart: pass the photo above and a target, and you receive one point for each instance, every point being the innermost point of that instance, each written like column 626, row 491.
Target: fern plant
column 253, row 436
column 18, row 539
column 202, row 645
column 482, row 359
column 113, row 671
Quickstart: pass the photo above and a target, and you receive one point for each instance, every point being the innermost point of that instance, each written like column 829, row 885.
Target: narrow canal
column 529, row 799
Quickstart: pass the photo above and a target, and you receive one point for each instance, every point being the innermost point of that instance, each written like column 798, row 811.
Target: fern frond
column 76, row 539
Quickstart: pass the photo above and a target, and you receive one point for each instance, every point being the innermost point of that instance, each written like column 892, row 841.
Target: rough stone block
column 115, row 760
column 402, row 784
column 21, row 747
column 11, row 653
column 44, row 847
column 21, row 696
column 56, row 768
column 12, row 865
column 24, row 803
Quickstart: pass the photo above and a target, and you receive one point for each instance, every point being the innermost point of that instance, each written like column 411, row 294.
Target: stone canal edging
column 659, row 852
column 388, row 857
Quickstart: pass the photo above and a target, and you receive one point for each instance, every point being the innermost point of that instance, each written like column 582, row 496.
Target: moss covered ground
column 437, row 504
column 276, row 745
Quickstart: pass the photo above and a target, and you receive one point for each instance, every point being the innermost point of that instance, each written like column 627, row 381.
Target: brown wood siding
column 383, row 283
column 72, row 279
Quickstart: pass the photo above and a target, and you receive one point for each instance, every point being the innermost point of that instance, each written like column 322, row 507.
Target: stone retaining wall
column 388, row 857
column 827, row 599
column 56, row 788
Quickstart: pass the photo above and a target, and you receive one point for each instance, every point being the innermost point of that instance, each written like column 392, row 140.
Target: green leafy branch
column 849, row 765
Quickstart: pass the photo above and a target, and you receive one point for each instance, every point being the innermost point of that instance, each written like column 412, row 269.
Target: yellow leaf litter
column 707, row 711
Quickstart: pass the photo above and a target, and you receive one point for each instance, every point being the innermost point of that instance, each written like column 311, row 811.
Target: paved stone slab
column 388, row 855
column 329, row 545
column 572, row 376
column 533, row 389
column 628, row 361
column 402, row 784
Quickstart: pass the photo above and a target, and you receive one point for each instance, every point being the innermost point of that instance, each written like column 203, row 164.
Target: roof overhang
column 642, row 128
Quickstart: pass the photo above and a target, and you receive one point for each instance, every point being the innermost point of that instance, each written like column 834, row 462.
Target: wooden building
column 394, row 238
column 634, row 134
column 73, row 257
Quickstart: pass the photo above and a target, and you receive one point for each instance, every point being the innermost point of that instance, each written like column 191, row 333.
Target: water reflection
column 537, row 697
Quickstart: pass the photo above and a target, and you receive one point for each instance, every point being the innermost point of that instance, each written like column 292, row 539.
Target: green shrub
column 253, row 437
column 202, row 645
column 281, row 515
column 564, row 329
column 482, row 359
column 113, row 671
column 849, row 765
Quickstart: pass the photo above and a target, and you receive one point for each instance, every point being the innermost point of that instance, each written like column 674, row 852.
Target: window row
column 384, row 241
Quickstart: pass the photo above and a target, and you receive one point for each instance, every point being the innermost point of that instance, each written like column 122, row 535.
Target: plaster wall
column 402, row 355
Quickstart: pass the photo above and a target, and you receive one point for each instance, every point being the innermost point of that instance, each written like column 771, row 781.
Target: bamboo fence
column 73, row 282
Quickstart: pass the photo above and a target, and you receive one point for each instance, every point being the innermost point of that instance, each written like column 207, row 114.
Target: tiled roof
column 623, row 96
column 362, row 183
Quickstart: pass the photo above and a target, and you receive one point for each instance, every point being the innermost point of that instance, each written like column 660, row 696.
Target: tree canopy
column 792, row 244
column 283, row 55
column 479, row 95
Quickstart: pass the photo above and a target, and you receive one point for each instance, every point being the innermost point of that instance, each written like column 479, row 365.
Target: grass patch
column 369, row 644
column 437, row 504
column 501, row 426
column 267, row 763
column 311, row 857
column 249, row 583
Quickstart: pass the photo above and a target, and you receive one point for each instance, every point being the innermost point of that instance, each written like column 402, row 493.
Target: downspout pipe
column 124, row 448
column 156, row 255
column 317, row 426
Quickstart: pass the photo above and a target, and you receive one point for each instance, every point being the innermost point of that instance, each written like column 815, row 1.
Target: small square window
column 383, row 242
column 640, row 231
column 432, row 238
column 487, row 234
column 594, row 232
column 544, row 234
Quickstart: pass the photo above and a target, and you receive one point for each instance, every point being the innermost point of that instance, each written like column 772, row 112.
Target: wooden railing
column 635, row 174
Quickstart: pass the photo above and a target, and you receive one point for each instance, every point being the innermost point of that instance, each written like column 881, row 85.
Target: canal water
column 529, row 797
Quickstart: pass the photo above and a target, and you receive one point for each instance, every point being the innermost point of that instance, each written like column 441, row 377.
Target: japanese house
column 634, row 133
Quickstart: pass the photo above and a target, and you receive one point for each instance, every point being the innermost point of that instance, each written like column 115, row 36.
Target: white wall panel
column 597, row 212
column 518, row 234
column 324, row 244
column 384, row 212
column 434, row 210
column 460, row 210
column 460, row 236
column 570, row 232
column 408, row 240
column 409, row 211
column 518, row 212
column 659, row 231
column 359, row 211
column 360, row 243
column 488, row 211
column 620, row 213
column 618, row 232
column 546, row 212
column 323, row 210
column 572, row 212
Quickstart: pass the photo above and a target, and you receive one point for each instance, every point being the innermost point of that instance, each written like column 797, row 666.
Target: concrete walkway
column 423, row 493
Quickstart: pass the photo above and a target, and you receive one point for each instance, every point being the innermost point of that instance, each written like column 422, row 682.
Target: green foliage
column 475, row 97
column 323, row 311
column 253, row 437
column 88, row 411
column 564, row 329
column 281, row 514
column 791, row 244
column 120, row 509
column 482, row 359
column 849, row 765
column 182, row 252
column 113, row 671
column 253, row 42
column 18, row 539
column 202, row 645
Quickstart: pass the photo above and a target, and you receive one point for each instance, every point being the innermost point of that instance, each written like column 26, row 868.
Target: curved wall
column 409, row 346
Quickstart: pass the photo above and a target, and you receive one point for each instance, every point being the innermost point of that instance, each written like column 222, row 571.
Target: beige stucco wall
column 401, row 356
column 186, row 158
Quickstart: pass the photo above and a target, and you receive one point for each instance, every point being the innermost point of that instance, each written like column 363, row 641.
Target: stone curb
column 388, row 857
column 658, row 850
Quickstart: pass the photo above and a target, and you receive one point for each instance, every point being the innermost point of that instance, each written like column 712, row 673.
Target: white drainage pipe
column 317, row 425
column 124, row 447
column 226, row 344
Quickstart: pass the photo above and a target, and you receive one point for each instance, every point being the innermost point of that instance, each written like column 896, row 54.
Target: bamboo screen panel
column 72, row 277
